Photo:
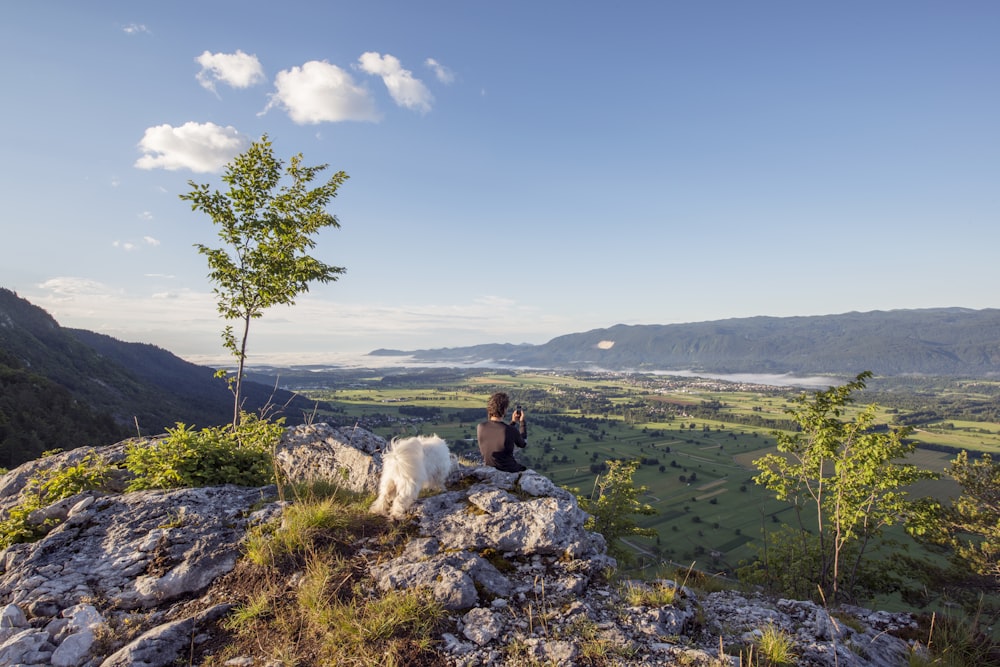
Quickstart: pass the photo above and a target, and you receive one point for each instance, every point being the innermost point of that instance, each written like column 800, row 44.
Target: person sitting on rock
column 497, row 439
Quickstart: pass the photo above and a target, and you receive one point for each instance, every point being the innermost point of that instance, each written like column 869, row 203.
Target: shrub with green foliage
column 211, row 456
column 613, row 505
column 185, row 458
column 46, row 487
column 970, row 525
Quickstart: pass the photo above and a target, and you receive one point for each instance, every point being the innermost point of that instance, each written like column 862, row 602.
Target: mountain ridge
column 951, row 341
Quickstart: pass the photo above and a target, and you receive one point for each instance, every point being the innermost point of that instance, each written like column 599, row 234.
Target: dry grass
column 303, row 594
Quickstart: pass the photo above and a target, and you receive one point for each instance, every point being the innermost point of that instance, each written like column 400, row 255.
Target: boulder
column 351, row 457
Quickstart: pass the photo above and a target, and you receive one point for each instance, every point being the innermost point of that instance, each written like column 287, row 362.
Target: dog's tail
column 407, row 455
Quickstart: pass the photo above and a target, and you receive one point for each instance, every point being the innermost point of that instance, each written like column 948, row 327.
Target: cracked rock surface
column 507, row 555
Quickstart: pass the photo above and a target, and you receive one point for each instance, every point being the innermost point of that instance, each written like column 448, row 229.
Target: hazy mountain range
column 937, row 341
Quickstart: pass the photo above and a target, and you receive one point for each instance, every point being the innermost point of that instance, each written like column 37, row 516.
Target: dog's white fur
column 409, row 466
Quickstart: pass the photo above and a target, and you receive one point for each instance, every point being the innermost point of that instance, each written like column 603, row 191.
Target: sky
column 517, row 170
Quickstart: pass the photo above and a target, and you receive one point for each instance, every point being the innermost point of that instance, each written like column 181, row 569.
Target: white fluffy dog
column 409, row 466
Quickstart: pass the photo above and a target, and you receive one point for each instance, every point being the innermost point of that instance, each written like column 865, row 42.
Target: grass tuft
column 306, row 596
column 656, row 594
column 775, row 647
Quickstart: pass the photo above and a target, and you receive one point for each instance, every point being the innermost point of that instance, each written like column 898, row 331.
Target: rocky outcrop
column 520, row 521
column 506, row 554
column 350, row 457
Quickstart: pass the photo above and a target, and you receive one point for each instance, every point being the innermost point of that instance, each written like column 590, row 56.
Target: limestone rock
column 351, row 457
column 528, row 535
column 138, row 549
column 507, row 555
column 162, row 645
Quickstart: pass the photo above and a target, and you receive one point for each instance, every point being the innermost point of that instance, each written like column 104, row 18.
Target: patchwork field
column 696, row 439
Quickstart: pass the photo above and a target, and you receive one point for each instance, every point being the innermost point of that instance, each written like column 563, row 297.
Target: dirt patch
column 706, row 496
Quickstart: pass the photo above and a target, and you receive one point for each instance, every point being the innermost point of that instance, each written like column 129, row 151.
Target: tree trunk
column 238, row 391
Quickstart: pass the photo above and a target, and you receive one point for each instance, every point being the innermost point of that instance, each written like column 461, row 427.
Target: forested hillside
column 37, row 414
column 64, row 387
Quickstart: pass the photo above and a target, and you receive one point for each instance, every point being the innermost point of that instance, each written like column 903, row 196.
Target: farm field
column 696, row 440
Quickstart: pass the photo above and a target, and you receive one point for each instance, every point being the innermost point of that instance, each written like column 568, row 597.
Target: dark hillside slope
column 937, row 341
column 192, row 389
column 37, row 415
column 68, row 384
column 38, row 344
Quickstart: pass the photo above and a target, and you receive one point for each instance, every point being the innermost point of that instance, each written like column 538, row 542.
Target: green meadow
column 696, row 440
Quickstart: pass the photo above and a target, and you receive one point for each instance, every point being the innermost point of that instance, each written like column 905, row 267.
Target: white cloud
column 146, row 216
column 129, row 246
column 404, row 89
column 182, row 321
column 319, row 92
column 200, row 147
column 410, row 325
column 135, row 29
column 495, row 301
column 443, row 74
column 68, row 287
column 186, row 321
column 239, row 70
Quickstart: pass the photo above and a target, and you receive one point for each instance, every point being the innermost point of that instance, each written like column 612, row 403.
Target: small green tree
column 848, row 472
column 613, row 505
column 970, row 525
column 267, row 228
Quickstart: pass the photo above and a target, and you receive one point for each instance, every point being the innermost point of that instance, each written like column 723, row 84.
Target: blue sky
column 518, row 170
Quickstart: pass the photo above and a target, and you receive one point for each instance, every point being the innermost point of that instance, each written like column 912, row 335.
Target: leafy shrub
column 211, row 456
column 45, row 487
column 613, row 505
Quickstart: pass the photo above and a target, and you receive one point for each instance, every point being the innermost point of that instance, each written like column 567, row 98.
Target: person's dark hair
column 497, row 406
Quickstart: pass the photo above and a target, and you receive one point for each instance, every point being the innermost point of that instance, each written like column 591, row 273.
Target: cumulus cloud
column 135, row 29
column 146, row 215
column 239, row 70
column 405, row 90
column 319, row 92
column 443, row 74
column 129, row 246
column 200, row 147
